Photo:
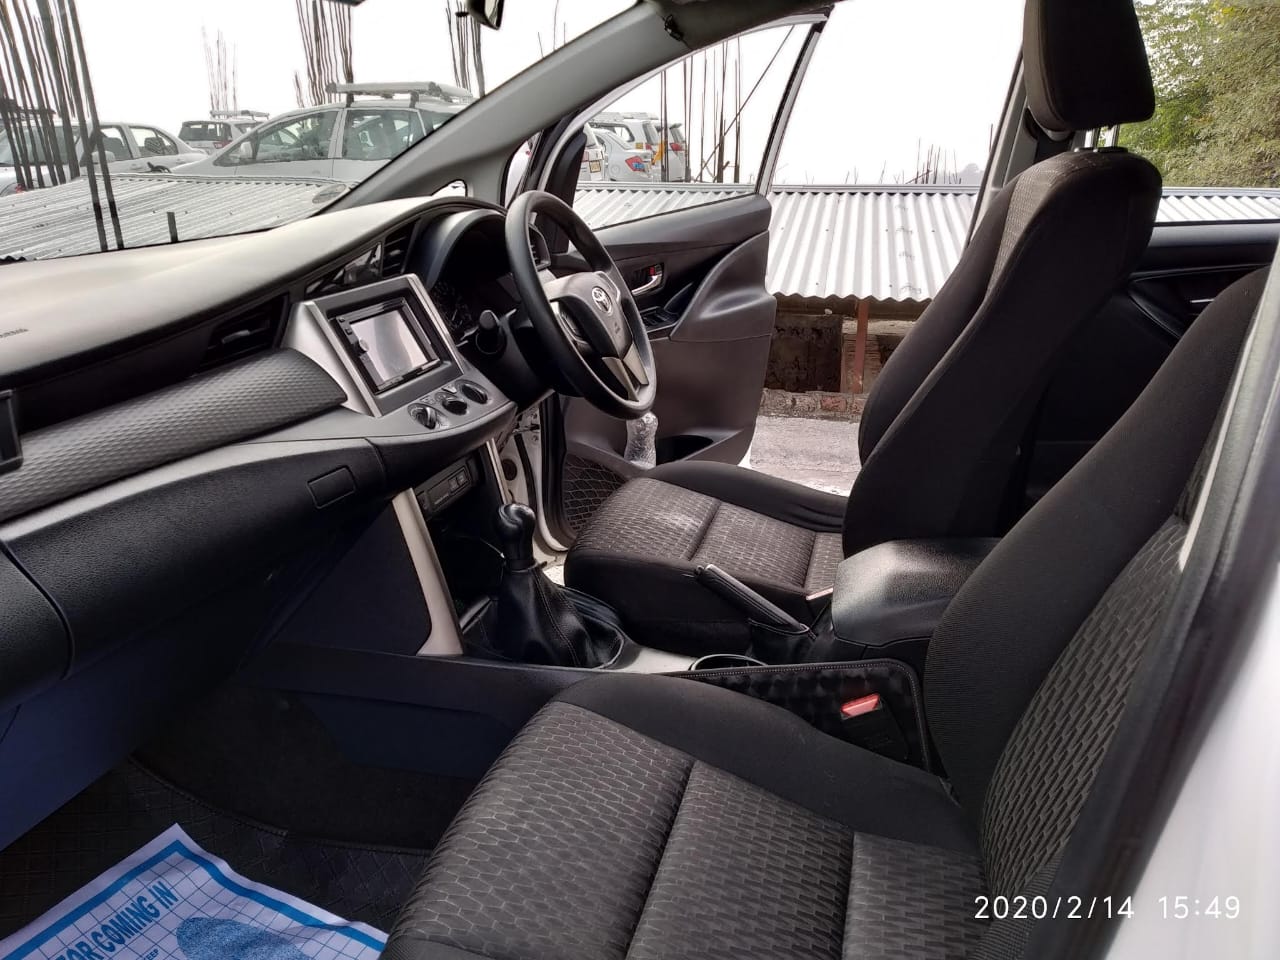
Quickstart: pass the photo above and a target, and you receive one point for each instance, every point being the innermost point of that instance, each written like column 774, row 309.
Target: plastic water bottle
column 642, row 441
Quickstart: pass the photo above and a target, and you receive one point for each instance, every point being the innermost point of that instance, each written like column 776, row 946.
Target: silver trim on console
column 310, row 333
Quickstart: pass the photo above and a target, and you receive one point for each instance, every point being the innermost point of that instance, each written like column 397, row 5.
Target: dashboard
column 243, row 397
column 86, row 332
column 190, row 433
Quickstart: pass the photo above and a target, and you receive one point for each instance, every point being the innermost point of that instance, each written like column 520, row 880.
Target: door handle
column 653, row 283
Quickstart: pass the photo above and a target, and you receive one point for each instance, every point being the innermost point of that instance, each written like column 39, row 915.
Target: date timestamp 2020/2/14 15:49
column 1179, row 907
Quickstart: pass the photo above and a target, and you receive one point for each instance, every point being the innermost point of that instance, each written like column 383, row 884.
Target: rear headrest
column 1085, row 64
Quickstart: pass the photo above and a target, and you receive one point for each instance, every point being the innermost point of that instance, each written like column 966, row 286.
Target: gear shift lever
column 537, row 622
column 515, row 524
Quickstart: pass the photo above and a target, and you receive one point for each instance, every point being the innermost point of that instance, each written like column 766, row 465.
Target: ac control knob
column 425, row 415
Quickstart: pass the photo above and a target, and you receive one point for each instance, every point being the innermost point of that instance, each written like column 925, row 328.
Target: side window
column 1216, row 127
column 297, row 138
column 379, row 134
column 113, row 141
column 153, row 143
column 702, row 123
column 888, row 142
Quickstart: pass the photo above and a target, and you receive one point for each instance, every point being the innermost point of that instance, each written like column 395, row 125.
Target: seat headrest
column 1085, row 64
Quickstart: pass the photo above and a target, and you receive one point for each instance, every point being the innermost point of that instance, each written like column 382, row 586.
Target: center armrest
column 888, row 599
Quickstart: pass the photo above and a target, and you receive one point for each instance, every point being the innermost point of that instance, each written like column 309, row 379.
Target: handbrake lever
column 757, row 608
column 776, row 636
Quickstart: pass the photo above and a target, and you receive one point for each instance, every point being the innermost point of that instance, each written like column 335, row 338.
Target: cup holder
column 723, row 661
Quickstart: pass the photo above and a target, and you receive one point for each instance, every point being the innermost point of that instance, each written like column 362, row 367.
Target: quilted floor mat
column 130, row 806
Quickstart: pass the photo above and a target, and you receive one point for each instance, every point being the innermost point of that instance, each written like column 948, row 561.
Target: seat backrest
column 942, row 425
column 1031, row 665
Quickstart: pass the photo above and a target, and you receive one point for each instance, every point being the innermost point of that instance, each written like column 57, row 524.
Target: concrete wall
column 805, row 354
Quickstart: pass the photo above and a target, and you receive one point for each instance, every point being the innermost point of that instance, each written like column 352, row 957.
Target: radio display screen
column 390, row 350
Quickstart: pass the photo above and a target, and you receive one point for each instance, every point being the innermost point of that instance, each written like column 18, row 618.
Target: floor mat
column 265, row 756
column 130, row 806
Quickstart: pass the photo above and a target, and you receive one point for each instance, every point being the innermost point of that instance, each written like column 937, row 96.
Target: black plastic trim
column 221, row 407
column 10, row 442
column 130, row 555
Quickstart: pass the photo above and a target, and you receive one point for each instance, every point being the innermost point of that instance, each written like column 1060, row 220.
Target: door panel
column 710, row 321
column 1113, row 357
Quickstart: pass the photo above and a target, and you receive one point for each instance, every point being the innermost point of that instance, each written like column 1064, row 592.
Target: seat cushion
column 646, row 541
column 655, row 817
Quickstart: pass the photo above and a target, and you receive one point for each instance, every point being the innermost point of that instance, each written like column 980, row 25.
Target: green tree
column 1216, row 68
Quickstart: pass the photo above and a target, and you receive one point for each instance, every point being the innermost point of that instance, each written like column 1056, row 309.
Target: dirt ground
column 818, row 453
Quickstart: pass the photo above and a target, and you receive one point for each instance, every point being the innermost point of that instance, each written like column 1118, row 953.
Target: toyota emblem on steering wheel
column 602, row 300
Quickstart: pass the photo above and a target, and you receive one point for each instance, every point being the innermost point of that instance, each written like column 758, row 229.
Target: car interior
column 275, row 511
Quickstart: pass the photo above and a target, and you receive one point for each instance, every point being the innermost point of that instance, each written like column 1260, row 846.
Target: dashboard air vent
column 395, row 251
column 242, row 334
column 540, row 249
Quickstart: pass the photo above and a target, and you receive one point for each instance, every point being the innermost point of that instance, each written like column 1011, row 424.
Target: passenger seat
column 646, row 817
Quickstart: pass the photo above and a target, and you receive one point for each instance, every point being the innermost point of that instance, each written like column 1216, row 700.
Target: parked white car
column 346, row 141
column 220, row 129
column 624, row 162
column 130, row 148
column 645, row 131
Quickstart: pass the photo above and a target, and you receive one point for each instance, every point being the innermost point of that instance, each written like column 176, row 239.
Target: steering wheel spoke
column 571, row 331
column 628, row 370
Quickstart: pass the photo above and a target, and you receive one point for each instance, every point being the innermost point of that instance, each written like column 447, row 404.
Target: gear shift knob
column 515, row 523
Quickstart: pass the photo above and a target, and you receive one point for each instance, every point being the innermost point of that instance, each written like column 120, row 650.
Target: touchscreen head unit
column 385, row 343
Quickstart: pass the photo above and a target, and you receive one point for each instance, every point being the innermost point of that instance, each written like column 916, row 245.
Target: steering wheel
column 588, row 321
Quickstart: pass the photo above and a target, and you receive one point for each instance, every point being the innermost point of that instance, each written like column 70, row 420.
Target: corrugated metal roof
column 882, row 245
column 1200, row 204
column 881, row 242
column 59, row 221
column 890, row 243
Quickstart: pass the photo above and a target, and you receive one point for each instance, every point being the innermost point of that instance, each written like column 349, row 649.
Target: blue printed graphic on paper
column 171, row 900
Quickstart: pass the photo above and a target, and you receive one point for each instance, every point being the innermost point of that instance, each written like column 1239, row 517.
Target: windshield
column 280, row 107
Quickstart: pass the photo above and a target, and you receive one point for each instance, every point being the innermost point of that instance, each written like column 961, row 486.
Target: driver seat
column 941, row 429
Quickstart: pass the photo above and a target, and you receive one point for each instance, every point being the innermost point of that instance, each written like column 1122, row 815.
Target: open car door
column 690, row 234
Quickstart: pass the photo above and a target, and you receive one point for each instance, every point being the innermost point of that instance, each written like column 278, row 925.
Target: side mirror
column 487, row 12
column 241, row 153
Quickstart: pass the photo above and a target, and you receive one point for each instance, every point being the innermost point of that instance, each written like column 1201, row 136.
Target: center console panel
column 389, row 347
column 429, row 413
column 888, row 599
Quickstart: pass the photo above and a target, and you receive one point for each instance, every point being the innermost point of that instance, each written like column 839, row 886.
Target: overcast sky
column 889, row 75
